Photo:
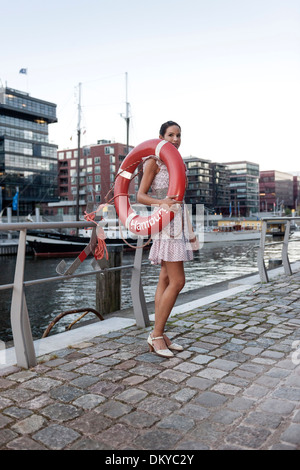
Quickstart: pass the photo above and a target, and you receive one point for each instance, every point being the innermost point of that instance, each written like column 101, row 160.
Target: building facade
column 98, row 167
column 277, row 190
column 200, row 186
column 28, row 162
column 220, row 188
column 244, row 188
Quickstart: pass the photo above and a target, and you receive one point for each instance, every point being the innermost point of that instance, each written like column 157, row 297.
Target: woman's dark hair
column 165, row 126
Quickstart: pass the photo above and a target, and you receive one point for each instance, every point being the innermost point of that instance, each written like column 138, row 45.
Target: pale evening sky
column 228, row 71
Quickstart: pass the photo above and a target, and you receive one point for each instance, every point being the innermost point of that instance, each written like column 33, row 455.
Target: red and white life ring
column 160, row 217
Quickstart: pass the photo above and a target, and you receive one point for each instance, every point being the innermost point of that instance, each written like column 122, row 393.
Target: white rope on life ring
column 160, row 217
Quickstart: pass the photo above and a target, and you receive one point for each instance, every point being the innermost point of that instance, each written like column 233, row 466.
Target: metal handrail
column 284, row 253
column 21, row 329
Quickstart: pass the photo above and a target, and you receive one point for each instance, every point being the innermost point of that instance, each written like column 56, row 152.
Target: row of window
column 28, row 104
column 23, row 134
column 30, row 163
column 69, row 154
column 88, row 179
column 37, row 125
column 27, row 148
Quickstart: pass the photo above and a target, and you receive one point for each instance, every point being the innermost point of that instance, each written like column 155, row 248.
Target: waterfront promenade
column 235, row 386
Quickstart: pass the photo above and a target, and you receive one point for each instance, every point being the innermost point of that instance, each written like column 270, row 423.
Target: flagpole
column 78, row 151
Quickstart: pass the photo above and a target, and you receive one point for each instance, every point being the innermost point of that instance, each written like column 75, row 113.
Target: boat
column 234, row 233
column 221, row 236
column 52, row 244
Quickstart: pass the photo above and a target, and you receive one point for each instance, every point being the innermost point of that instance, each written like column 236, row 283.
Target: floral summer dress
column 172, row 243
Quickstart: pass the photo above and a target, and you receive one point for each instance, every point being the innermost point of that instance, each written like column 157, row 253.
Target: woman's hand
column 169, row 203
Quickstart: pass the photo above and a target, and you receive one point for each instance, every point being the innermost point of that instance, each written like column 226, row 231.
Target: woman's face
column 173, row 135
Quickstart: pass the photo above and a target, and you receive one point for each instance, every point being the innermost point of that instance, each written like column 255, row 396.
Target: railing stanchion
column 285, row 256
column 21, row 329
column 260, row 254
column 137, row 291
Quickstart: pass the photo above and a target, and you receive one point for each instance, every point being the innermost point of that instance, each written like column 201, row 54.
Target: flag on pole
column 15, row 201
column 23, row 71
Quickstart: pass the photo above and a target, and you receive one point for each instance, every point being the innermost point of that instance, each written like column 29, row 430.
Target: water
column 213, row 263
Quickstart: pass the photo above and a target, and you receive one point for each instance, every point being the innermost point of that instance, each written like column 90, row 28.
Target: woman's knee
column 178, row 283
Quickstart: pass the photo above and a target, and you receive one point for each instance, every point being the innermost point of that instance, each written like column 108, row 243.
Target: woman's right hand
column 169, row 202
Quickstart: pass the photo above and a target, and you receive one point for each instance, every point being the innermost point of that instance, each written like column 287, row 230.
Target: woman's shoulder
column 151, row 163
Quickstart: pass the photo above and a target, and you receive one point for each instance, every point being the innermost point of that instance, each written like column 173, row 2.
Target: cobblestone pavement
column 236, row 385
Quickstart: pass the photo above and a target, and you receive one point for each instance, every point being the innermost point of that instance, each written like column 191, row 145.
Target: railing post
column 285, row 256
column 137, row 291
column 260, row 254
column 20, row 324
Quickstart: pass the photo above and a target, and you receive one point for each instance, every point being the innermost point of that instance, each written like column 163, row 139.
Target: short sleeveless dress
column 172, row 243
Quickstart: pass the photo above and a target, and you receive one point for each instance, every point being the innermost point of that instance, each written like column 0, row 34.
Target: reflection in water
column 213, row 263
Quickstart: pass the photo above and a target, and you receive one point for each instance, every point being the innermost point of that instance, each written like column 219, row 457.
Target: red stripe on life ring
column 160, row 217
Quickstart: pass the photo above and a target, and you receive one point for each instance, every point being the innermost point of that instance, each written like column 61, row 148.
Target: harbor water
column 213, row 263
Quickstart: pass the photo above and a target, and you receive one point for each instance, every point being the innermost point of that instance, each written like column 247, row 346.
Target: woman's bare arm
column 150, row 171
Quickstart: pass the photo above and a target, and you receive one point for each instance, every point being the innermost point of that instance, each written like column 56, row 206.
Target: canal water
column 212, row 264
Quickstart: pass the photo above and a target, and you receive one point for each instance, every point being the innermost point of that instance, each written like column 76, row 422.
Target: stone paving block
column 56, row 437
column 89, row 401
column 157, row 440
column 118, row 435
column 139, row 419
column 252, row 438
column 281, row 407
column 223, row 364
column 61, row 412
column 133, row 395
column 29, row 425
column 292, row 435
column 41, row 384
column 210, row 399
column 25, row 443
column 184, row 394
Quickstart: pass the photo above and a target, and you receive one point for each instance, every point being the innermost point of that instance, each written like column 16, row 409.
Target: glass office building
column 28, row 162
column 244, row 188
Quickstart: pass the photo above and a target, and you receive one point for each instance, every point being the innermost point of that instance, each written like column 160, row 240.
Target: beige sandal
column 159, row 352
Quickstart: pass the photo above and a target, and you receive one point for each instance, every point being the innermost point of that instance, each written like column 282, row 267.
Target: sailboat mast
column 127, row 118
column 78, row 150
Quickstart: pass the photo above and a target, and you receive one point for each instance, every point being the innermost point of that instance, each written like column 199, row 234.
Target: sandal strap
column 157, row 337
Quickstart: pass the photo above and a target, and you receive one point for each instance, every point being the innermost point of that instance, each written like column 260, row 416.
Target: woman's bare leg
column 171, row 281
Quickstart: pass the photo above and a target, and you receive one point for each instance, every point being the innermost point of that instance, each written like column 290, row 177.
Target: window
column 108, row 150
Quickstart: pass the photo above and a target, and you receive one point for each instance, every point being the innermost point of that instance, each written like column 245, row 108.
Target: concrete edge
column 69, row 338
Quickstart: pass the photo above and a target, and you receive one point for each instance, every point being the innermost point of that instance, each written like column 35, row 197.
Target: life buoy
column 160, row 217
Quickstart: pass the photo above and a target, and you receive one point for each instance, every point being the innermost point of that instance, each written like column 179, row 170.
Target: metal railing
column 20, row 324
column 287, row 222
column 21, row 329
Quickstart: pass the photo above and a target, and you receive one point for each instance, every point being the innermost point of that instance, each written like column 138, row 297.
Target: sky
column 228, row 71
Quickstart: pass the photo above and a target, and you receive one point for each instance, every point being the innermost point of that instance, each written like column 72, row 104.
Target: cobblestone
column 236, row 385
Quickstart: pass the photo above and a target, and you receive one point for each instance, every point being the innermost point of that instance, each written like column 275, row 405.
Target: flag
column 23, row 71
column 15, row 201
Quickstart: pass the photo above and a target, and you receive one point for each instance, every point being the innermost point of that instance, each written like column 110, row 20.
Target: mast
column 126, row 117
column 78, row 151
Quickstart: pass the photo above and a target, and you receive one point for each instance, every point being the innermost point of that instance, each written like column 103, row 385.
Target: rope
column 101, row 248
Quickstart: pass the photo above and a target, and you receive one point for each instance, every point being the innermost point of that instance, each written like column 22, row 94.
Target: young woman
column 171, row 247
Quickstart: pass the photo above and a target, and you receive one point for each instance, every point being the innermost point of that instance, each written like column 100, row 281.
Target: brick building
column 99, row 165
